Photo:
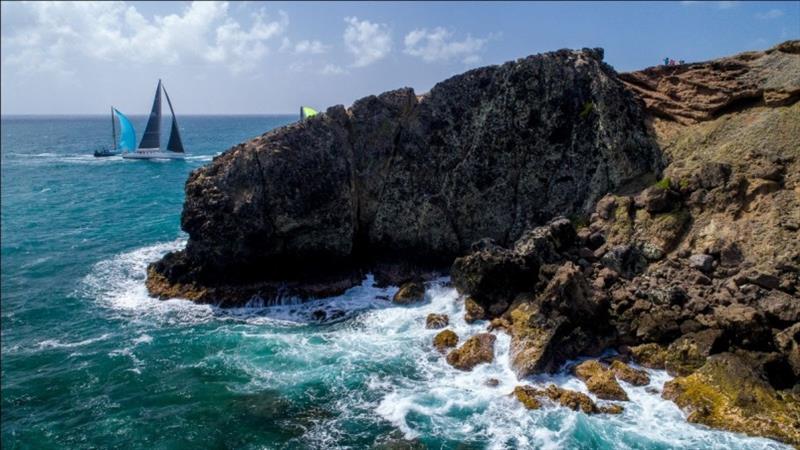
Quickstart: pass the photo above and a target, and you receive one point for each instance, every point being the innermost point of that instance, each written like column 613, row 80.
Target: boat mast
column 113, row 129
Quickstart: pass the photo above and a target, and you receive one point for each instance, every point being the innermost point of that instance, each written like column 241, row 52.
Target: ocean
column 89, row 360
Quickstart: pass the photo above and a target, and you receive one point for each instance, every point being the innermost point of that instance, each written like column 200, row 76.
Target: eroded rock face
column 695, row 92
column 486, row 154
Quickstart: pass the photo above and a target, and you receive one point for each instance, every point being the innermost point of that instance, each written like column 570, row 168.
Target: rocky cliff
column 398, row 178
column 698, row 273
column 543, row 179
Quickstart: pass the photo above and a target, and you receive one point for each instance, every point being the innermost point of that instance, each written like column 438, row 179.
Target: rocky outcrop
column 435, row 321
column 398, row 178
column 703, row 263
column 532, row 397
column 690, row 93
column 730, row 392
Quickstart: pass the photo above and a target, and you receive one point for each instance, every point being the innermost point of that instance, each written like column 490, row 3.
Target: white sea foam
column 55, row 343
column 378, row 361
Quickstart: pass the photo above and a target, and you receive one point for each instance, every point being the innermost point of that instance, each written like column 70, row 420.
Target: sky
column 270, row 58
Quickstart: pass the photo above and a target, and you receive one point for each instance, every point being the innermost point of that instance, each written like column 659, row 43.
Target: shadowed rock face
column 400, row 178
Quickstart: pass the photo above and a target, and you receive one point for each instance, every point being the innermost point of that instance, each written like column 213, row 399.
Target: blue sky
column 253, row 57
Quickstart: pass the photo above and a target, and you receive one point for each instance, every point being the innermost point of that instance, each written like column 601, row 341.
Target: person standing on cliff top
column 666, row 61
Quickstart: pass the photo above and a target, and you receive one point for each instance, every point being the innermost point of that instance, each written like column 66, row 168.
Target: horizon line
column 141, row 114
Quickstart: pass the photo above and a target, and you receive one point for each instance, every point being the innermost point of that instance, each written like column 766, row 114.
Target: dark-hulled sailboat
column 150, row 145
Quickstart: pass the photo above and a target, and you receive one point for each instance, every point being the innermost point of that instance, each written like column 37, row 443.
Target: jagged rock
column 656, row 199
column 530, row 397
column 689, row 352
column 600, row 381
column 476, row 350
column 781, row 308
column 703, row 263
column 628, row 374
column 730, row 393
column 435, row 321
column 561, row 324
column 649, row 355
column 493, row 275
column 445, row 339
column 474, row 311
column 612, row 409
column 626, row 260
column 411, row 292
column 527, row 396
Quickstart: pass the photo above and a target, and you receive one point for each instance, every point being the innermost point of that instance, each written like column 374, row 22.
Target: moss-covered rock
column 649, row 355
column 689, row 352
column 600, row 380
column 730, row 393
column 445, row 339
column 527, row 396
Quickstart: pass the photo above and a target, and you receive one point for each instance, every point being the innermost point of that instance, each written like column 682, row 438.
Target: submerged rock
column 436, row 321
column 476, row 350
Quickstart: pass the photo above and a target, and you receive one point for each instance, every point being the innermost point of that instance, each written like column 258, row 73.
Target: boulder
column 493, row 275
column 627, row 260
column 702, row 262
column 781, row 308
column 600, row 381
column 435, row 321
column 656, row 199
column 409, row 293
column 476, row 350
column 730, row 393
column 445, row 339
column 527, row 395
column 628, row 374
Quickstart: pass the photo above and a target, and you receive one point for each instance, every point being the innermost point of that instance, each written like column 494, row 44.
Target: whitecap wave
column 377, row 360
column 55, row 343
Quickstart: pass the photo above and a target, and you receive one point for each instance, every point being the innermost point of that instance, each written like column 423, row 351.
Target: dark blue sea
column 89, row 360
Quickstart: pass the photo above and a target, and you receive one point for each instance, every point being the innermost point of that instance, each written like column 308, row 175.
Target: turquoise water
column 90, row 361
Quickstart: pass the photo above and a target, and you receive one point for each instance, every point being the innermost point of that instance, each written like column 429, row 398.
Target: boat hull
column 153, row 154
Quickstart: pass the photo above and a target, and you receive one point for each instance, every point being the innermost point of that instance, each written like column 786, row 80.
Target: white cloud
column 771, row 14
column 304, row 47
column 56, row 33
column 333, row 69
column 438, row 45
column 720, row 5
column 367, row 41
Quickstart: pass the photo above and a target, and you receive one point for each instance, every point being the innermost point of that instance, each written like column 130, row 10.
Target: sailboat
column 150, row 145
column 127, row 136
column 107, row 151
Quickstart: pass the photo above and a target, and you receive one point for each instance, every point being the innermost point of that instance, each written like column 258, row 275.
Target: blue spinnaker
column 127, row 135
